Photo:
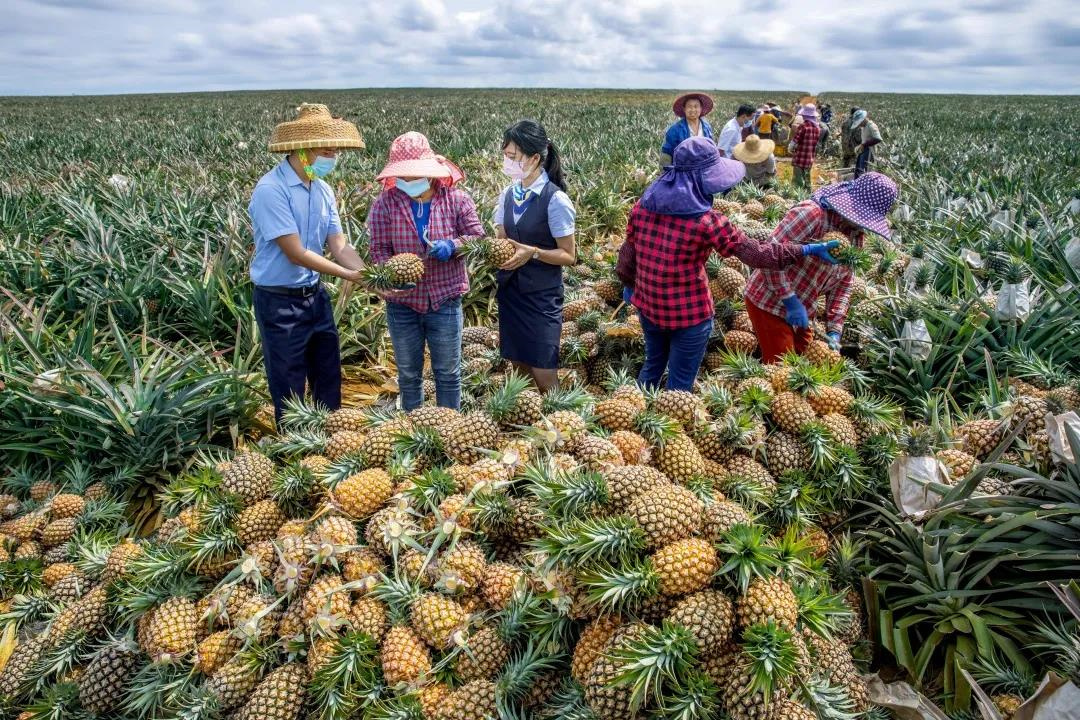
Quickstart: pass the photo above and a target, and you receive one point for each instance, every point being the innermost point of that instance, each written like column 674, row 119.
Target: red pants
column 775, row 336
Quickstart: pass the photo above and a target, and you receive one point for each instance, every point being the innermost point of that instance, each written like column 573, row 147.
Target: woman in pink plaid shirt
column 420, row 211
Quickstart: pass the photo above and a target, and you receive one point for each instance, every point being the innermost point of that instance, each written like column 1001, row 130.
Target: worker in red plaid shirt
column 670, row 234
column 781, row 302
column 803, row 145
column 420, row 211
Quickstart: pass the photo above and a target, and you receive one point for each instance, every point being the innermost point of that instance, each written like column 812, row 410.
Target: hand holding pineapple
column 401, row 272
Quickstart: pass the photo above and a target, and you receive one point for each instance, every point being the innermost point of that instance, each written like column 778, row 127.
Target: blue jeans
column 680, row 351
column 441, row 331
column 300, row 347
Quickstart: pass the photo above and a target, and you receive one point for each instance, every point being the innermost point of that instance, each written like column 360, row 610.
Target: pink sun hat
column 809, row 111
column 411, row 156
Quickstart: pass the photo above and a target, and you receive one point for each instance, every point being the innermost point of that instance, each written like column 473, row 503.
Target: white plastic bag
column 1072, row 253
column 911, row 478
column 1001, row 222
column 1013, row 302
column 1074, row 206
column 1059, row 438
column 904, row 213
column 915, row 339
column 973, row 259
column 911, row 271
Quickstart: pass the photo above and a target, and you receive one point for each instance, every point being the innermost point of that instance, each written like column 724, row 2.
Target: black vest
column 532, row 229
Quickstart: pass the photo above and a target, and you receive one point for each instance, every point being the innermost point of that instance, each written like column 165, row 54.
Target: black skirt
column 530, row 324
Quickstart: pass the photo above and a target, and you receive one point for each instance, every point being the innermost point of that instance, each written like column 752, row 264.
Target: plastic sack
column 971, row 258
column 1059, row 438
column 905, row 702
column 911, row 478
column 915, row 339
column 904, row 213
column 1074, row 206
column 911, row 271
column 1001, row 222
column 1013, row 302
column 1072, row 253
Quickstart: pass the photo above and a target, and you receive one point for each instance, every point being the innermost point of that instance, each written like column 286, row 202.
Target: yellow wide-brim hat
column 315, row 127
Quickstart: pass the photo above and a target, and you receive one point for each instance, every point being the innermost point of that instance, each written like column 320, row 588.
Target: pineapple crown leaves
column 570, row 397
column 656, row 428
column 26, row 609
column 536, row 617
column 399, row 593
column 60, row 658
column 210, row 546
column 1060, row 642
column 846, row 479
column 343, row 467
column 291, row 488
column 134, row 599
column 703, row 487
column 162, row 690
column 692, row 696
column 794, row 559
column 771, row 657
column 738, row 429
column 293, row 443
column 879, row 414
column 21, row 576
column 572, row 494
column 750, row 556
column 618, row 377
column 1024, row 363
column 590, row 542
column 830, row 702
column 755, row 400
column 190, row 490
column 504, row 399
column 920, row 440
column 302, row 415
column 492, row 511
column 821, row 611
column 748, row 492
column 57, row 702
column 431, row 487
column 717, row 398
column 617, row 589
column 739, row 365
column 1002, row 677
column 649, row 659
column 519, row 677
column 796, row 500
column 820, row 445
column 405, row 707
column 878, row 451
column 347, row 678
column 419, row 442
column 847, row 559
column 91, row 548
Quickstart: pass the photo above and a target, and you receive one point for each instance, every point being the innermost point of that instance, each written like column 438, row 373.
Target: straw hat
column 754, row 150
column 314, row 127
column 678, row 107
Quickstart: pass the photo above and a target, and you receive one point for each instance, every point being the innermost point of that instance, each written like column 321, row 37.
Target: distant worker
column 803, row 145
column 731, row 135
column 869, row 138
column 849, row 138
column 757, row 155
column 826, row 131
column 766, row 122
column 691, row 110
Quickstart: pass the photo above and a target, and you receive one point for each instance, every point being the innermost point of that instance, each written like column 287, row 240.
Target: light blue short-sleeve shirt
column 283, row 205
column 561, row 212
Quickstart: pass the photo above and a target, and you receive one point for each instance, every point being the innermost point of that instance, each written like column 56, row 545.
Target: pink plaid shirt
column 393, row 231
column 810, row 277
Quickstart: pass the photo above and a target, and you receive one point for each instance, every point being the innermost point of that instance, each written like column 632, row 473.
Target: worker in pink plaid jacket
column 421, row 211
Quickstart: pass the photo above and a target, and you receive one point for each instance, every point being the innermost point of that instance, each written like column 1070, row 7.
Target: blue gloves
column 442, row 250
column 833, row 339
column 821, row 251
column 627, row 294
column 796, row 314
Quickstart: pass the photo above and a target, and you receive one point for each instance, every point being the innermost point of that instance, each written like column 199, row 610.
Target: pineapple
column 685, row 566
column 344, row 442
column 432, row 697
column 753, row 209
column 605, row 698
column 351, row 419
column 709, row 616
column 681, row 406
column 500, row 584
column 609, row 290
column 405, row 657
column 597, row 453
column 42, row 490
column 625, row 483
column 469, row 436
column 87, row 615
column 729, row 284
column 666, row 513
column 368, row 615
column 280, row 695
column 840, row 429
column 768, row 599
column 834, row 660
column 483, row 655
column 785, row 452
column 958, row 463
column 494, row 252
column 614, row 414
column 791, row 412
column 103, row 686
column 475, row 700
column 326, row 599
column 740, row 341
column 591, row 644
column 633, row 448
column 215, row 650
column 170, row 629
column 828, row 400
column 515, row 403
column 259, row 522
column 232, row 684
column 401, row 270
column 66, row 505
column 679, row 459
column 116, row 563
column 248, row 476
column 360, row 495
column 980, row 437
column 21, row 665
column 721, row 516
column 437, row 619
column 467, row 562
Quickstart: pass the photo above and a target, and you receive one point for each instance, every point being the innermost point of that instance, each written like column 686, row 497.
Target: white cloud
column 985, row 46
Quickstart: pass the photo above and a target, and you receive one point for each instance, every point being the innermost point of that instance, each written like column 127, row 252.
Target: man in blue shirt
column 294, row 217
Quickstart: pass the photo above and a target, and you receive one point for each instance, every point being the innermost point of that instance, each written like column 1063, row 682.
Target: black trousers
column 300, row 347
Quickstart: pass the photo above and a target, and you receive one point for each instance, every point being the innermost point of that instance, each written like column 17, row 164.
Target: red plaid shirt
column 393, row 231
column 806, row 140
column 663, row 260
column 809, row 277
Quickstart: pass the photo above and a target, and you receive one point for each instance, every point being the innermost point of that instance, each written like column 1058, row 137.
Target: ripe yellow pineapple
column 325, row 598
column 740, row 341
column 721, row 516
column 709, row 615
column 791, row 412
column 170, row 629
column 66, row 505
column 728, row 284
column 591, row 644
column 768, row 599
column 685, row 566
column 818, row 352
column 368, row 615
column 607, row 699
column 432, row 697
column 401, row 270
column 753, row 209
column 465, row 560
column 980, row 437
column 353, row 419
column 959, row 463
column 471, row 701
column 248, row 476
column 500, row 583
column 679, row 459
column 405, row 657
column 279, row 696
column 362, row 494
column 215, row 650
column 666, row 513
column 597, row 453
column 685, row 408
column 614, row 414
column 829, row 399
column 469, row 436
column 344, row 442
column 486, row 653
column 258, row 522
column 633, row 448
column 625, row 483
column 841, row 429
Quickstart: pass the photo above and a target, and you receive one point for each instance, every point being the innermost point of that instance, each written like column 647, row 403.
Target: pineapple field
column 890, row 531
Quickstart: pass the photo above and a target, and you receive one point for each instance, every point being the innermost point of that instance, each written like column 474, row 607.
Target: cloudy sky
column 116, row 46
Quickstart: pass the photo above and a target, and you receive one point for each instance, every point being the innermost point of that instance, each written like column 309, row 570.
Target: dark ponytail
column 531, row 138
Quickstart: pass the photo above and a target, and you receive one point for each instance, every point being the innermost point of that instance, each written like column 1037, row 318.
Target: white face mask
column 514, row 169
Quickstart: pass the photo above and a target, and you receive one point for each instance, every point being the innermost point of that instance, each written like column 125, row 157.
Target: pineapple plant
column 400, row 271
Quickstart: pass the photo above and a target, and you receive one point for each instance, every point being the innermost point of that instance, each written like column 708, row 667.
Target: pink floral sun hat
column 411, row 156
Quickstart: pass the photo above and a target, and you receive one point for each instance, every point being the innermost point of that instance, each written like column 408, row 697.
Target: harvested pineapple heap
column 593, row 552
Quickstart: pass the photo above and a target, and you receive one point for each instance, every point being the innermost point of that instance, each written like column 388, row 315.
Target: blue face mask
column 413, row 188
column 323, row 166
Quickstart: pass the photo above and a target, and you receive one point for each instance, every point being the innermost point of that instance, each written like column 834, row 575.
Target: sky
column 62, row 47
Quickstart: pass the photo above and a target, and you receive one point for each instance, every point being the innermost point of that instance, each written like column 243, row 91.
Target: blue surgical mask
column 323, row 166
column 413, row 188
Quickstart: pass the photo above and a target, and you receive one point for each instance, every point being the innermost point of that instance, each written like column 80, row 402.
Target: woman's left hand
column 522, row 255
